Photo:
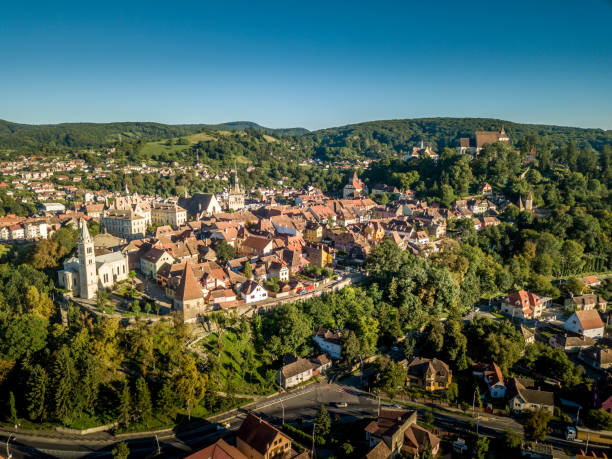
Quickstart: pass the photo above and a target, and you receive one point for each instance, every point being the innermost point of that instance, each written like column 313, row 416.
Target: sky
column 310, row 64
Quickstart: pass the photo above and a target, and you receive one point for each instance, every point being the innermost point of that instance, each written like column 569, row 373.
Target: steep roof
column 188, row 288
column 257, row 433
column 418, row 438
column 218, row 450
column 589, row 319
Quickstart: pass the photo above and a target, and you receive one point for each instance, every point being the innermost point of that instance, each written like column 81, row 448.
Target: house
column 585, row 323
column 523, row 305
column 318, row 254
column 492, row 375
column 218, row 450
column 528, row 335
column 329, row 342
column 430, row 374
column 256, row 246
column 313, row 232
column 389, row 429
column 257, row 439
column 485, row 189
column 607, row 405
column 570, row 344
column 416, row 439
column 300, row 370
column 522, row 399
column 590, row 281
column 585, row 302
column 154, row 259
column 252, row 291
column 597, row 357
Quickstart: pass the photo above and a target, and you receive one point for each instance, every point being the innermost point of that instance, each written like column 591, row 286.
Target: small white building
column 252, row 291
column 586, row 323
column 329, row 342
column 53, row 207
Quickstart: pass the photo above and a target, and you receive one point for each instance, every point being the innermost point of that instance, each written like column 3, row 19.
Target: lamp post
column 8, row 453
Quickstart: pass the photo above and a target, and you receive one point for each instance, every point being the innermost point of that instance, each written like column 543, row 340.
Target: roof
column 110, row 258
column 380, row 451
column 256, row 242
column 257, row 433
column 249, row 286
column 188, row 288
column 296, row 368
column 218, row 450
column 154, row 254
column 429, row 368
column 537, row 397
column 523, row 299
column 417, row 438
column 389, row 420
column 589, row 320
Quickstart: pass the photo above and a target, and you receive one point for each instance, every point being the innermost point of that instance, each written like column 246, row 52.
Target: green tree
column 121, row 451
column 65, row 383
column 190, row 384
column 350, row 348
column 13, row 409
column 225, row 252
column 248, row 271
column 322, row 423
column 166, row 398
column 599, row 420
column 512, row 440
column 536, row 425
column 36, row 395
column 125, row 405
column 143, row 408
column 481, row 448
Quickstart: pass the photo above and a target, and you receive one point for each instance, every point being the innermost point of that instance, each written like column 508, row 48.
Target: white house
column 524, row 400
column 329, row 342
column 492, row 375
column 252, row 291
column 586, row 323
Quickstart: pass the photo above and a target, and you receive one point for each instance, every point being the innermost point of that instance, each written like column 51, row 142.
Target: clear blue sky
column 315, row 65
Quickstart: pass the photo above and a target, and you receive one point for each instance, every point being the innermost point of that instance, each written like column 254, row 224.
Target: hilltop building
column 83, row 276
column 480, row 140
column 235, row 200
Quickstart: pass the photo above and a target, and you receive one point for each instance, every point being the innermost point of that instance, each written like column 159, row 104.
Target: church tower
column 88, row 277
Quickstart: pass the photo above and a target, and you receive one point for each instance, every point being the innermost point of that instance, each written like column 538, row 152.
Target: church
column 85, row 274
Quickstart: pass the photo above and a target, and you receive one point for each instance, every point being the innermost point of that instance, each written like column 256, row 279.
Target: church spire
column 85, row 236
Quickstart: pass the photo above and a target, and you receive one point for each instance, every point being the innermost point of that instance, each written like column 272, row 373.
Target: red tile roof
column 188, row 288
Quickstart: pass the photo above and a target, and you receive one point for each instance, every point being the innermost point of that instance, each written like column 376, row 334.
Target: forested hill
column 374, row 138
column 379, row 138
column 14, row 135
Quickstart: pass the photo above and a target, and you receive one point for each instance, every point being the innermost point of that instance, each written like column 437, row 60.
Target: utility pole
column 283, row 407
column 158, row 447
column 8, row 453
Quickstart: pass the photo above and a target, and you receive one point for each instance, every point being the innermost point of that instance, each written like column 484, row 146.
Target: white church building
column 83, row 276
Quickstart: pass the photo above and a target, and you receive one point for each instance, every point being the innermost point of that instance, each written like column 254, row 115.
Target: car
column 397, row 406
column 395, row 348
column 340, row 404
column 339, row 278
column 225, row 425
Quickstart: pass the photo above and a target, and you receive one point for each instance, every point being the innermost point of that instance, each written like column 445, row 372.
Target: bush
column 302, row 436
column 598, row 420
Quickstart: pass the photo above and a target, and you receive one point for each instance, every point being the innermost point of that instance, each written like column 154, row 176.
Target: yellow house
column 430, row 374
column 154, row 259
column 313, row 232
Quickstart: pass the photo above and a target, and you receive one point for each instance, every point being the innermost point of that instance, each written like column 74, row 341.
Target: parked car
column 225, row 425
column 340, row 404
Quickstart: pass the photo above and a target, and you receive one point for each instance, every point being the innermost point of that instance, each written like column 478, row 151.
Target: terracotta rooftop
column 188, row 288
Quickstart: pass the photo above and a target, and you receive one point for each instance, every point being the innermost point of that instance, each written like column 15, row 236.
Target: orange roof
column 188, row 288
column 589, row 319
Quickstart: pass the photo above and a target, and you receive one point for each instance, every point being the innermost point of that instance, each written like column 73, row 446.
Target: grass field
column 155, row 148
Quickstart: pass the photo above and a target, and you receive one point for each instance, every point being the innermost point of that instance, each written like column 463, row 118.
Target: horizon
column 325, row 66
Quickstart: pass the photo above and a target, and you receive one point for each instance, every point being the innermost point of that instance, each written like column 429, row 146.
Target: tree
column 536, row 425
column 351, row 348
column 166, row 398
column 125, row 405
column 225, row 252
column 190, row 384
column 65, row 382
column 23, row 335
column 432, row 340
column 248, row 271
column 599, row 420
column 512, row 440
column 121, row 451
column 13, row 409
column 36, row 395
column 481, row 447
column 427, row 452
column 322, row 423
column 142, row 405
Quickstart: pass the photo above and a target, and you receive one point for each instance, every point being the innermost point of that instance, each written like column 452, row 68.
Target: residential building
column 168, row 214
column 318, row 254
column 570, row 344
column 257, row 439
column 218, row 450
column 124, row 224
column 313, row 232
column 492, row 376
column 586, row 302
column 586, row 323
column 301, row 370
column 329, row 342
column 252, row 291
column 522, row 399
column 522, row 304
column 597, row 357
column 153, row 260
column 430, row 374
column 256, row 246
